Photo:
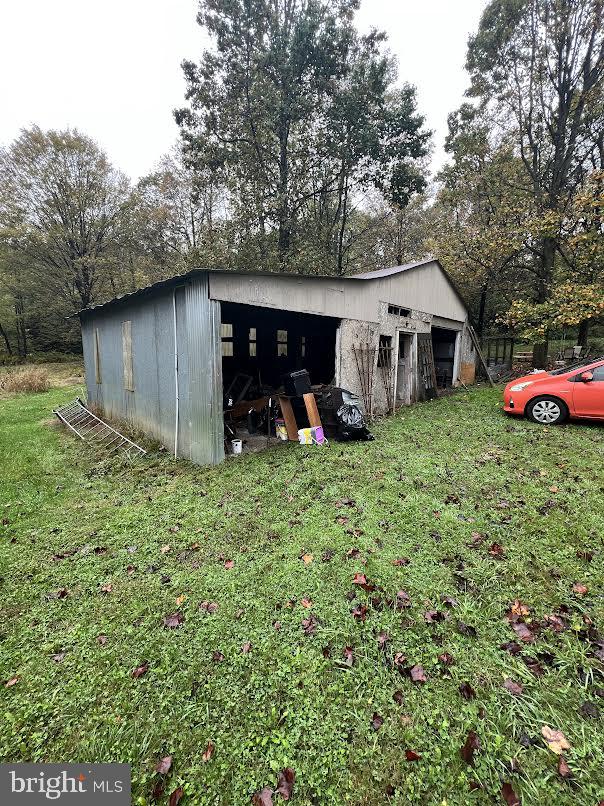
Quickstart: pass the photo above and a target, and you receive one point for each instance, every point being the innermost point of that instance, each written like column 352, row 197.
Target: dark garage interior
column 264, row 343
column 443, row 347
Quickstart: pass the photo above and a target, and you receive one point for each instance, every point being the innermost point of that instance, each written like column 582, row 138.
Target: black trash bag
column 351, row 420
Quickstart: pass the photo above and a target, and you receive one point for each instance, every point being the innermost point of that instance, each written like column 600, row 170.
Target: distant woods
column 301, row 150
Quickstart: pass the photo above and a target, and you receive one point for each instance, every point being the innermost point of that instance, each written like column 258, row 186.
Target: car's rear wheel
column 547, row 411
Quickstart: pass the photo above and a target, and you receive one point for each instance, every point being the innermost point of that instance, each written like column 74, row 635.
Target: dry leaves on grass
column 471, row 746
column 164, row 765
column 555, row 740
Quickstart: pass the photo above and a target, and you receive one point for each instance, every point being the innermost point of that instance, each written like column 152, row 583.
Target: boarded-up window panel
column 127, row 355
column 97, row 357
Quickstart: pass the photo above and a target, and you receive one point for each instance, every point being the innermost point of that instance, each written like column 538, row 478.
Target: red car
column 550, row 398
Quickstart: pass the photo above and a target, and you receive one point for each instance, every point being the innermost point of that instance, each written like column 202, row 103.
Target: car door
column 588, row 396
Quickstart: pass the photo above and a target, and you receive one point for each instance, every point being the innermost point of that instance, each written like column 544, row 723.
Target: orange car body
column 577, row 392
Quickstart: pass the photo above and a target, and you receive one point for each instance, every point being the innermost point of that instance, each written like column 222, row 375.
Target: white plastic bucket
column 236, row 445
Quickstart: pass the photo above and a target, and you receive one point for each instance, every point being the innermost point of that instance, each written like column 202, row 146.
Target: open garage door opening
column 444, row 346
column 259, row 345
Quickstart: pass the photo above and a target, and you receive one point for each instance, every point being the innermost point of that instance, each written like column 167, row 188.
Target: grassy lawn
column 487, row 510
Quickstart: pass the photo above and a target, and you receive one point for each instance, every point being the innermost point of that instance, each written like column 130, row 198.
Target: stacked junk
column 296, row 412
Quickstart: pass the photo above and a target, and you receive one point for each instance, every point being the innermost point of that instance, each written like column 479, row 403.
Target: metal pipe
column 175, row 376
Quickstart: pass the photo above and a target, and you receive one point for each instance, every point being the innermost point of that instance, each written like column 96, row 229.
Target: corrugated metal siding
column 151, row 406
column 205, row 374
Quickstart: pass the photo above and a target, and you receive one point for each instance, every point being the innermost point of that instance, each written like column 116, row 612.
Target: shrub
column 29, row 379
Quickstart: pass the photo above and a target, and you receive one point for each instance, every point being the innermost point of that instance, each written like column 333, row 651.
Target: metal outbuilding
column 161, row 357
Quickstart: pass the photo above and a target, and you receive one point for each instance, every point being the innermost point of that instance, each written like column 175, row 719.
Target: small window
column 252, row 342
column 385, row 352
column 598, row 373
column 127, row 355
column 226, row 338
column 302, row 346
column 396, row 311
column 97, row 356
column 281, row 342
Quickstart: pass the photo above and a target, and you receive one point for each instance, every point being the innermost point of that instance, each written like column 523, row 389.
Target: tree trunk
column 546, row 273
column 6, row 341
column 21, row 329
column 343, row 229
column 583, row 333
column 481, row 312
column 284, row 222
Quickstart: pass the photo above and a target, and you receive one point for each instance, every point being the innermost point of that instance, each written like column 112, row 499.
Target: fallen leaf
column 564, row 771
column 285, row 783
column 309, row 625
column 307, row 559
column 472, row 745
column 229, row 564
column 348, row 655
column 166, row 549
column 59, row 657
column 217, row 656
column 519, row 609
column 512, row 647
column 466, row 691
column 399, row 660
column 508, row 794
column 555, row 740
column 418, row 674
column 432, row 616
column 401, row 561
column 163, row 765
column 306, row 602
column 359, row 612
column 514, row 688
column 246, row 647
column 107, row 587
column 555, row 622
column 589, row 711
column 411, row 755
column 376, row 721
column 11, row 682
column 263, row 798
column 383, row 639
column 496, row 550
column 173, row 620
column 140, row 670
column 466, row 629
column 523, row 632
column 398, row 697
column 446, row 659
column 449, row 601
column 208, row 607
column 580, row 589
column 101, row 639
column 180, row 599
column 176, row 796
column 207, row 753
column 403, row 599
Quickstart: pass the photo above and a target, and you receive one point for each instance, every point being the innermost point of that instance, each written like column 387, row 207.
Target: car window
column 599, row 373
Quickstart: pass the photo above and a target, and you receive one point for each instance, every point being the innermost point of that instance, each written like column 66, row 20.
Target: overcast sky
column 112, row 68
